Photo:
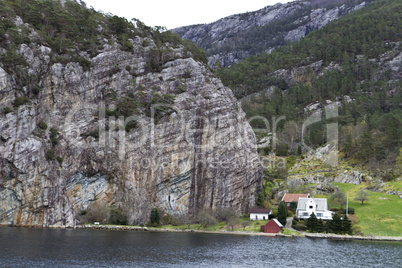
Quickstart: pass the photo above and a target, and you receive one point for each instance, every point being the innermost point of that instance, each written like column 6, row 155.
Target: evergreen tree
column 312, row 223
column 282, row 212
column 293, row 206
column 336, row 224
column 155, row 217
column 346, row 226
column 299, row 150
column 320, row 228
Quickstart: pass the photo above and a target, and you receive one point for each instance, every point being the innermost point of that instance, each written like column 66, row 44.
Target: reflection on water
column 98, row 248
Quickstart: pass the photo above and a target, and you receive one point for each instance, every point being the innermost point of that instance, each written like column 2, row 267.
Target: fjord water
column 97, row 248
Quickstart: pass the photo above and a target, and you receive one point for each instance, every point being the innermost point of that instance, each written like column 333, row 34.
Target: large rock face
column 200, row 156
column 237, row 37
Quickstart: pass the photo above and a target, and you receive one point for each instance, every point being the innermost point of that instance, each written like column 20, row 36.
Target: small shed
column 259, row 214
column 273, row 227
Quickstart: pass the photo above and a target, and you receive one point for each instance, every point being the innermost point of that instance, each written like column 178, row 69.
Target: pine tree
column 282, row 212
column 336, row 224
column 320, row 228
column 312, row 223
column 346, row 226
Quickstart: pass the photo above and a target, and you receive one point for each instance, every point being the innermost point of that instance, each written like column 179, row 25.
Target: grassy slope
column 378, row 216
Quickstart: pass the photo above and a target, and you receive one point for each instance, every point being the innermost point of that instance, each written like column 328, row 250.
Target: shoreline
column 227, row 232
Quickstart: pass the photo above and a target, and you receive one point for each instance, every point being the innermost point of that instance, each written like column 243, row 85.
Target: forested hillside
column 239, row 36
column 354, row 62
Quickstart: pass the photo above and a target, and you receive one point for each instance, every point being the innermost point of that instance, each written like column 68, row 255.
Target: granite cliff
column 119, row 127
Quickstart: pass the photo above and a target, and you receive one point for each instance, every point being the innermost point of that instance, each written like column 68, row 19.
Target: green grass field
column 381, row 215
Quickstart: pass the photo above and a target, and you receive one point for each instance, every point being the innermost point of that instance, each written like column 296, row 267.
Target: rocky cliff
column 237, row 37
column 72, row 142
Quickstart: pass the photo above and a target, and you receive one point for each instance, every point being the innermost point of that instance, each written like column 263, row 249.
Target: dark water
column 95, row 248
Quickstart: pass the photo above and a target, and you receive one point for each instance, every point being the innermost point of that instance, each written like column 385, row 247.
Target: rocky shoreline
column 302, row 235
column 306, row 235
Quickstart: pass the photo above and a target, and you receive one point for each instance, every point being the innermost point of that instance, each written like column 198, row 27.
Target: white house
column 257, row 214
column 306, row 206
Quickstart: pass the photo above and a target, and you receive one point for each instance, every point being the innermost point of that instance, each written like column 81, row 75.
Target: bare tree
column 206, row 219
column 338, row 198
column 362, row 196
column 245, row 224
column 98, row 211
column 257, row 225
column 186, row 219
column 232, row 222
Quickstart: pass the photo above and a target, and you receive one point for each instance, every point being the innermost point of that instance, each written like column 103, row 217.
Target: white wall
column 305, row 213
column 258, row 216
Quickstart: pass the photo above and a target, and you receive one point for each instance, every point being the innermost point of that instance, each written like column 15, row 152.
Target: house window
column 305, row 214
column 256, row 217
column 319, row 214
column 311, row 207
column 263, row 218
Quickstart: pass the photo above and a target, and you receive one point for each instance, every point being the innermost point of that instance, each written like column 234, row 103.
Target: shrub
column 300, row 227
column 206, row 219
column 53, row 136
column 176, row 221
column 50, row 155
column 224, row 214
column 117, row 216
column 351, row 210
column 98, row 211
column 60, row 160
column 187, row 74
column 20, row 101
column 36, row 89
column 127, row 46
column 94, row 133
column 132, row 124
column 42, row 125
column 282, row 149
column 127, row 106
column 7, row 110
column 186, row 219
column 167, row 219
column 356, row 230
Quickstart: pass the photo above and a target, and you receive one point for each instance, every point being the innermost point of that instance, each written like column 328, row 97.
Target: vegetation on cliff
column 76, row 33
column 352, row 54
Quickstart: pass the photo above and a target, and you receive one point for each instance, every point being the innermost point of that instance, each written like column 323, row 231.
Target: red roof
column 259, row 210
column 294, row 197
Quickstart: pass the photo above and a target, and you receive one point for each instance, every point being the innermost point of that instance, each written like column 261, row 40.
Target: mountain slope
column 237, row 37
column 353, row 64
column 101, row 113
